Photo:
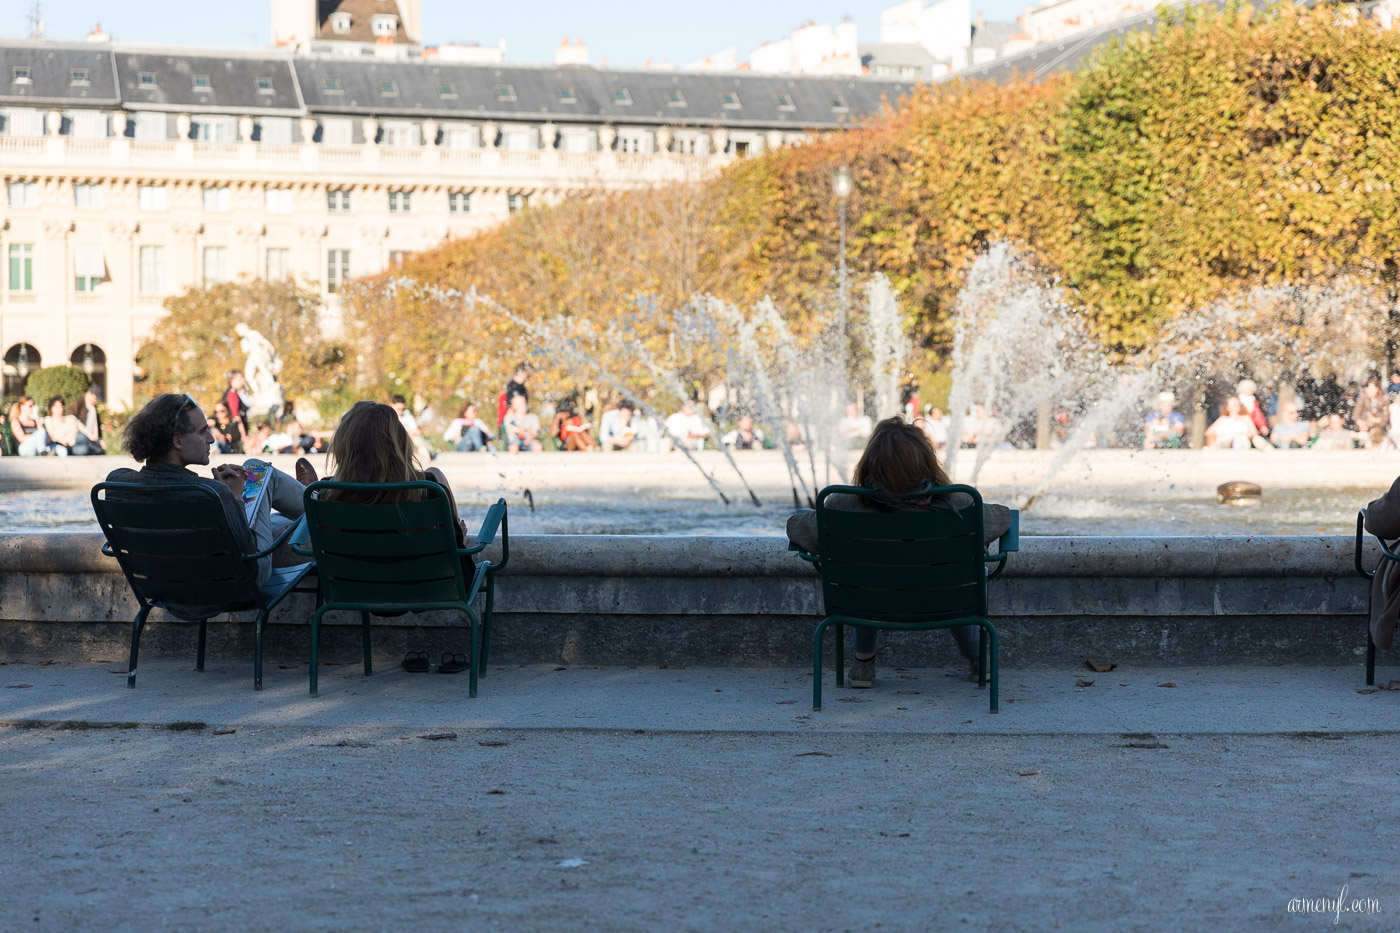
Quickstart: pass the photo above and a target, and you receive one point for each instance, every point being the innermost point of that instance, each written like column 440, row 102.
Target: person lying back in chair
column 899, row 462
column 171, row 434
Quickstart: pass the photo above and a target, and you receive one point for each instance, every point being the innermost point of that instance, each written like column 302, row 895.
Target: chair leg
column 990, row 634
column 137, row 624
column 364, row 642
column 486, row 623
column 981, row 658
column 840, row 655
column 476, row 652
column 203, row 637
column 316, row 647
column 1370, row 657
column 260, row 626
column 817, row 664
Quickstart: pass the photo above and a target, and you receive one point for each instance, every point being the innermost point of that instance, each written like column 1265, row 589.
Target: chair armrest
column 107, row 549
column 301, row 534
column 489, row 525
column 281, row 540
column 810, row 558
column 1360, row 536
column 482, row 569
column 1007, row 544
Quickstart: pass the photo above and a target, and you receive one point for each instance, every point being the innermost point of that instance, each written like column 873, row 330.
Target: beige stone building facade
column 130, row 174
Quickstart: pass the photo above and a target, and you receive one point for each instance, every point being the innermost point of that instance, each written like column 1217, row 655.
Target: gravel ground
column 342, row 828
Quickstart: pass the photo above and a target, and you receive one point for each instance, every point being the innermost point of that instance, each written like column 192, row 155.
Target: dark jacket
column 802, row 526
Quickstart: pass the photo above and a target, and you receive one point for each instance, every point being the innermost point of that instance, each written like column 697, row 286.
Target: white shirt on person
column 686, row 429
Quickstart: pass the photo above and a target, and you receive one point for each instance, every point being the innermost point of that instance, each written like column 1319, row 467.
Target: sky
column 627, row 33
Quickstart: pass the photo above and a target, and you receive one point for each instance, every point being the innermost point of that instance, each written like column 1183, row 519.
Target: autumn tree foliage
column 1225, row 150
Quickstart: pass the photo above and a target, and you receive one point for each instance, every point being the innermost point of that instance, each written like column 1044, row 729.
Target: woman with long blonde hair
column 901, row 468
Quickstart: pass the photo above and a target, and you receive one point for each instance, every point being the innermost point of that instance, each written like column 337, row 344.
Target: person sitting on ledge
column 619, row 428
column 899, row 462
column 745, row 436
column 171, row 434
column 29, row 434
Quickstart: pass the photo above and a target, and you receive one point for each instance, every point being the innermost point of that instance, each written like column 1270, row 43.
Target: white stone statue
column 260, row 372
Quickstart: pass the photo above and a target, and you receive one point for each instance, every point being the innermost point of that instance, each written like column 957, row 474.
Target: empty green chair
column 394, row 557
column 178, row 553
column 919, row 570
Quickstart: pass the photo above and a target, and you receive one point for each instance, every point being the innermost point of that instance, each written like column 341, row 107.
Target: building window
column 729, row 100
column 88, row 197
column 402, row 134
column 505, row 92
column 459, row 202
column 400, row 202
column 20, row 75
column 577, row 139
column 151, row 125
column 201, row 83
column 279, row 264
column 620, row 96
column 88, row 124
column 397, row 258
column 89, row 269
column 264, row 85
column 636, row 141
column 211, row 129
column 340, row 23
column 338, row 200
column 337, row 269
column 388, row 89
column 23, row 193
column 692, row 142
column 151, row 197
column 78, row 76
column 447, row 90
column 838, row 103
column 520, row 139
column 215, row 265
column 566, row 95
column 784, row 101
column 332, row 86
column 278, row 200
column 337, row 132
column 384, row 24
column 277, row 130
column 516, row 203
column 152, row 270
column 21, row 267
column 741, row 148
column 216, row 199
column 674, row 98
column 146, row 79
column 24, row 122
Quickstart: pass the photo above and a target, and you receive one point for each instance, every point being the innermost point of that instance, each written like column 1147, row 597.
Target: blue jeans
column 473, row 439
column 87, row 448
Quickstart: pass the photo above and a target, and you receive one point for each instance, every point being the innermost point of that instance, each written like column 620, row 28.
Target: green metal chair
column 396, row 557
column 1386, row 554
column 905, row 571
column 177, row 551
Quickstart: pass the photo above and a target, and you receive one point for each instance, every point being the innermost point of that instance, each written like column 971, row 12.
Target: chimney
column 981, row 22
column 567, row 54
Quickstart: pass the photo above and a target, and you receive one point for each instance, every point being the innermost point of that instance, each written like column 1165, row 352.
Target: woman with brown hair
column 900, row 466
column 371, row 446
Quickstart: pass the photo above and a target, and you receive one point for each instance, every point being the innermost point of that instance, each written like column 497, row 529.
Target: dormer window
column 388, row 89
column 20, row 75
column 674, row 98
column 784, row 101
column 729, row 100
column 146, row 79
column 566, row 95
column 621, row 96
column 78, row 77
column 505, row 92
column 201, row 83
column 332, row 85
column 340, row 23
column 447, row 90
column 264, row 85
column 838, row 103
column 384, row 24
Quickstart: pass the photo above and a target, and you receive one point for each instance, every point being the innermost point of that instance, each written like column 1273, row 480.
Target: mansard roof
column 431, row 88
column 51, row 81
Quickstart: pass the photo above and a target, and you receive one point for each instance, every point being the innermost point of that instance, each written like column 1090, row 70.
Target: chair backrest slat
column 382, row 553
column 909, row 566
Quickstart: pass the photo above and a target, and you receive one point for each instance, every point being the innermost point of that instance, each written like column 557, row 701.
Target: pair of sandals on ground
column 416, row 662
